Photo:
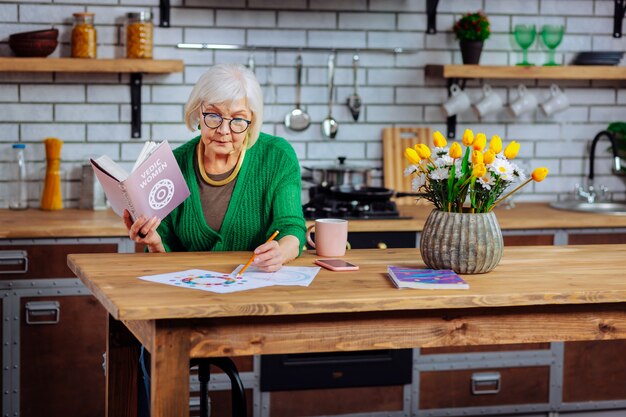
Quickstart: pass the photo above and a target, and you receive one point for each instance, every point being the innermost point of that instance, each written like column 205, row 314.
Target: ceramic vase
column 467, row 243
column 470, row 51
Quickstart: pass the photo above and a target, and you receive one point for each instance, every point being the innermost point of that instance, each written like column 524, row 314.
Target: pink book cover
column 154, row 188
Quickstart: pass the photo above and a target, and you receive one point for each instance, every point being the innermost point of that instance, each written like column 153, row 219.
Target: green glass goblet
column 525, row 36
column 552, row 35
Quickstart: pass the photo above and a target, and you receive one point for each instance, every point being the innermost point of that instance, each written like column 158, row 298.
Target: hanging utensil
column 354, row 100
column 329, row 124
column 298, row 119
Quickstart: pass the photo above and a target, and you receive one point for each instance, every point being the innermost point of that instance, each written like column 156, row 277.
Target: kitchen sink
column 617, row 208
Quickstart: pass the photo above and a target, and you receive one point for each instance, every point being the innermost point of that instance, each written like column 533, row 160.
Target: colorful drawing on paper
column 207, row 281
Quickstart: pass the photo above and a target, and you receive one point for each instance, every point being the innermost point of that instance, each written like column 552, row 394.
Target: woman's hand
column 143, row 230
column 271, row 256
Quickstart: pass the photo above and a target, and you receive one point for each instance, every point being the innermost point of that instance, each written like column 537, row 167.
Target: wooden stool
column 239, row 405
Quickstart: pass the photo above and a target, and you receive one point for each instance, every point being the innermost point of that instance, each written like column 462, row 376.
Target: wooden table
column 536, row 294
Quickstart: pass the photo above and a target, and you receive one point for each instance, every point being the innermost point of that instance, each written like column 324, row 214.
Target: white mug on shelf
column 458, row 102
column 491, row 102
column 525, row 102
column 557, row 102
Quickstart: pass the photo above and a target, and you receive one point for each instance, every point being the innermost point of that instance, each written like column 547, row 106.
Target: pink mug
column 331, row 237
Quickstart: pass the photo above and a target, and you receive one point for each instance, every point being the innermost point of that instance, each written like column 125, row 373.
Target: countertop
column 34, row 223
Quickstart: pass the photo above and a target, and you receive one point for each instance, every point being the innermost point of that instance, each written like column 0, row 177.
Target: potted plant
column 472, row 29
column 462, row 232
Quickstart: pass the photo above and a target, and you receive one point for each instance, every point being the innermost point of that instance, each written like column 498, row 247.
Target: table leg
column 122, row 370
column 169, row 379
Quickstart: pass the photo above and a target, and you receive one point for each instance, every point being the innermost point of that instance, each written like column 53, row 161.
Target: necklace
column 226, row 180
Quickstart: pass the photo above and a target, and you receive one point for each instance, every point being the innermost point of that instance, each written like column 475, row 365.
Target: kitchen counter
column 33, row 223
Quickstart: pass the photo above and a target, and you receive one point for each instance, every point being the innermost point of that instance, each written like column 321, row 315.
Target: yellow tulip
column 539, row 174
column 479, row 142
column 422, row 150
column 468, row 137
column 412, row 156
column 439, row 139
column 510, row 152
column 477, row 157
column 489, row 156
column 479, row 170
column 455, row 151
column 496, row 144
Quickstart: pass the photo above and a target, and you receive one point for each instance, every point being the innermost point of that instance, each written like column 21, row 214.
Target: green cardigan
column 266, row 198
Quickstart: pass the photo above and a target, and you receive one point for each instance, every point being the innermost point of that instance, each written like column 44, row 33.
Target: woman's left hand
column 271, row 256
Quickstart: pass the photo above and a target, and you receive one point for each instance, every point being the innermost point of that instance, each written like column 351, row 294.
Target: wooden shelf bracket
column 431, row 13
column 135, row 104
column 618, row 17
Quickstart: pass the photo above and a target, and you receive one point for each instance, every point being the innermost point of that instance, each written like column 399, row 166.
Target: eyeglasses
column 236, row 124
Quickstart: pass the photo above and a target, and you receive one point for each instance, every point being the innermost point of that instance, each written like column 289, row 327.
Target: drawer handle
column 485, row 383
column 35, row 310
column 381, row 245
column 19, row 258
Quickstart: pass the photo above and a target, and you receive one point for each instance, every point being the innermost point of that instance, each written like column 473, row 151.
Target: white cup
column 491, row 102
column 525, row 102
column 557, row 102
column 458, row 102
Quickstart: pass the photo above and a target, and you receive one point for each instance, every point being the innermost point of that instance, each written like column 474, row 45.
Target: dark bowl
column 37, row 34
column 33, row 47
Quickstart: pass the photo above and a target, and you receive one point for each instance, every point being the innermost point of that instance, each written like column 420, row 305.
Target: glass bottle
column 18, row 199
column 84, row 36
column 139, row 35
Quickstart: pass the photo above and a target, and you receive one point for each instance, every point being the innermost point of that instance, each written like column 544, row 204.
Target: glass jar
column 139, row 35
column 18, row 198
column 83, row 36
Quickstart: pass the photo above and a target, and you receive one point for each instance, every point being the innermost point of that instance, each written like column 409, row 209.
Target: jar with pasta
column 84, row 36
column 139, row 35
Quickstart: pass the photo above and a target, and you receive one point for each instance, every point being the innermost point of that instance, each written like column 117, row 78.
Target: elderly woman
column 244, row 184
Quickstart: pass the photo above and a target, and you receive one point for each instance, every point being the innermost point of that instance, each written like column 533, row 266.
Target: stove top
column 331, row 208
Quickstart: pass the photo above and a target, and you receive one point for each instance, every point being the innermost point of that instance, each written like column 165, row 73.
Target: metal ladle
column 354, row 100
column 298, row 119
column 329, row 124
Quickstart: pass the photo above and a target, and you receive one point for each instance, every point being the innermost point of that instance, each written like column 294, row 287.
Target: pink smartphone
column 336, row 264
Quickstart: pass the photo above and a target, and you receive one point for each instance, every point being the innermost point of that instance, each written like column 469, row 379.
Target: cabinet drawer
column 47, row 261
column 454, row 389
column 328, row 402
column 594, row 371
column 381, row 240
column 595, row 238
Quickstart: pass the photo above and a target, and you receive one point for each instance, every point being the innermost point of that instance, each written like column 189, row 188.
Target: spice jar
column 139, row 35
column 83, row 36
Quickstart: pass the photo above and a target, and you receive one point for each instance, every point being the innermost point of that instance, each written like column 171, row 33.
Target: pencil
column 252, row 257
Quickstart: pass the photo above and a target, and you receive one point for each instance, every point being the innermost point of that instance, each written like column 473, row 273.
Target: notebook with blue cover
column 434, row 279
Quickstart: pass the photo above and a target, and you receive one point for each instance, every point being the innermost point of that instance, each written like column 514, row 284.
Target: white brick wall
column 91, row 112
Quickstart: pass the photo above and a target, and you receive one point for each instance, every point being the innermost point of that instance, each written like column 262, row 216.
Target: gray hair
column 224, row 83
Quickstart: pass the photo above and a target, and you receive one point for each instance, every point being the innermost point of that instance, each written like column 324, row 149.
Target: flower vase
column 467, row 243
column 470, row 51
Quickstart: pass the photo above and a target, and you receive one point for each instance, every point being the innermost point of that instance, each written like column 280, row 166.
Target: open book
column 154, row 187
column 433, row 279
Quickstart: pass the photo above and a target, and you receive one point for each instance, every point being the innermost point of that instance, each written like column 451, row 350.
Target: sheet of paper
column 287, row 275
column 199, row 279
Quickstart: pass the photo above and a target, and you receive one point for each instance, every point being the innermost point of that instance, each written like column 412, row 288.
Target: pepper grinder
column 51, row 198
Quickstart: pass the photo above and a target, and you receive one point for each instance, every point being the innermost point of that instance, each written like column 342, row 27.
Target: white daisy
column 418, row 182
column 486, row 181
column 518, row 172
column 458, row 169
column 443, row 161
column 409, row 170
column 441, row 151
column 502, row 168
column 439, row 174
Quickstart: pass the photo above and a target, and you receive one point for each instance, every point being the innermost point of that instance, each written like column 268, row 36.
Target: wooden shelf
column 155, row 66
column 568, row 72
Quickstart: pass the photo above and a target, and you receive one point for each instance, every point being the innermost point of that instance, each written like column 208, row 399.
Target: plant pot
column 470, row 51
column 467, row 243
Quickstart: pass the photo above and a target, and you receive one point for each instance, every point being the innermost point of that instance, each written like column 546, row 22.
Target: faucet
column 590, row 194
